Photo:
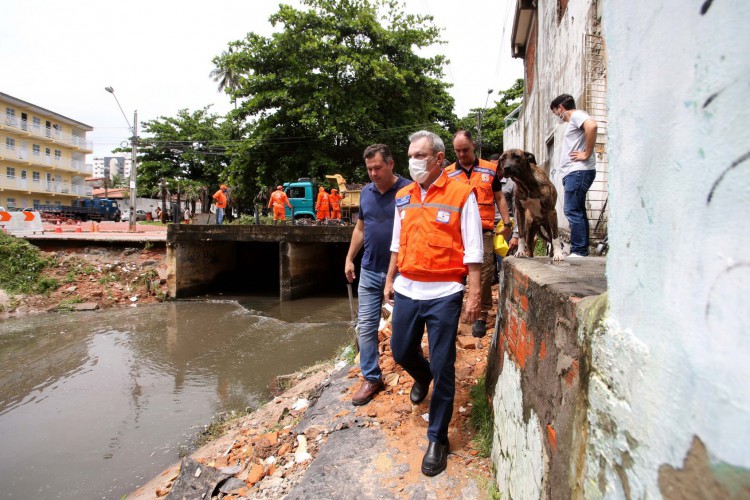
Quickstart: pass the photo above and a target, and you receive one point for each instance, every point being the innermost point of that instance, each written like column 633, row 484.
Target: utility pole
column 133, row 160
column 480, row 115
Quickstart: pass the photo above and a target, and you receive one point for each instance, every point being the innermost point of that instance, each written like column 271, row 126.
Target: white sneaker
column 576, row 256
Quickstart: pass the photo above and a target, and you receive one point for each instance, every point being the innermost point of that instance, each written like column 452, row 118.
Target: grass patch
column 540, row 248
column 481, row 418
column 21, row 266
column 348, row 353
column 67, row 304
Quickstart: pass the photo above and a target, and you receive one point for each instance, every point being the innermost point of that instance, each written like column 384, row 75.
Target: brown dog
column 534, row 201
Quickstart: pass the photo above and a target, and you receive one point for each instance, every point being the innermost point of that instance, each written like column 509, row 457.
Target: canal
column 92, row 405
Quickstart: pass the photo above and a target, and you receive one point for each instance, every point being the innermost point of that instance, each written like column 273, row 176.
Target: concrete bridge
column 295, row 260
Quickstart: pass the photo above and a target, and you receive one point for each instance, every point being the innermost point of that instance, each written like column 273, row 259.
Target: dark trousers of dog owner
column 441, row 317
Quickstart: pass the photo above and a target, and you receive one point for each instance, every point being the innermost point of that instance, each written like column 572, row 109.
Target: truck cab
column 301, row 196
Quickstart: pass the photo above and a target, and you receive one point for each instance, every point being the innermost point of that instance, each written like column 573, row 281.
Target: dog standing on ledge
column 535, row 200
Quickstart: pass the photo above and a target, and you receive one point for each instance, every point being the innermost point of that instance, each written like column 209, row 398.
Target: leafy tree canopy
column 493, row 124
column 188, row 147
column 337, row 77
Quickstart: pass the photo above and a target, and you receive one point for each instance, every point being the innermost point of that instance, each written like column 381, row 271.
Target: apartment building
column 42, row 156
column 116, row 164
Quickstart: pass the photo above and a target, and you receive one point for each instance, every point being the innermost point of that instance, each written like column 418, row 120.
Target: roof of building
column 33, row 107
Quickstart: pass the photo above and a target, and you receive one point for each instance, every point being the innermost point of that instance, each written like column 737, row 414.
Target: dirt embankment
column 94, row 278
column 311, row 442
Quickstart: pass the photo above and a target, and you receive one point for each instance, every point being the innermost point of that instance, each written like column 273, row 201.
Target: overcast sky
column 157, row 54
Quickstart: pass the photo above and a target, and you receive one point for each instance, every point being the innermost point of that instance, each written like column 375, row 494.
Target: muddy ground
column 95, row 278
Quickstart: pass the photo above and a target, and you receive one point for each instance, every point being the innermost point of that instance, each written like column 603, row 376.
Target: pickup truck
column 303, row 193
column 97, row 209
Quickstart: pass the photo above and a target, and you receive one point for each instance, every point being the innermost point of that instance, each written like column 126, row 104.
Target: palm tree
column 225, row 74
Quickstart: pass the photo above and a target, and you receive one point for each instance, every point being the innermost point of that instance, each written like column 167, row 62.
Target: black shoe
column 480, row 328
column 419, row 392
column 435, row 459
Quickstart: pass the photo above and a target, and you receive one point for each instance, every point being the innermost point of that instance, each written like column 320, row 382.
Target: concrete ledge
column 537, row 374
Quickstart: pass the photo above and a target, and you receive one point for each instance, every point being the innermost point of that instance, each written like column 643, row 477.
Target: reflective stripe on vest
column 430, row 244
column 481, row 179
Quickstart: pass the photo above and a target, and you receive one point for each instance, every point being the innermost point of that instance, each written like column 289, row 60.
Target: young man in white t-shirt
column 577, row 168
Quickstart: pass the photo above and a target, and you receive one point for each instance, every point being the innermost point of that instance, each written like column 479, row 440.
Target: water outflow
column 92, row 405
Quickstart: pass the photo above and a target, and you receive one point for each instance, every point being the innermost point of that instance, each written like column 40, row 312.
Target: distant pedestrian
column 186, row 214
column 577, row 169
column 335, row 200
column 323, row 205
column 279, row 201
column 220, row 197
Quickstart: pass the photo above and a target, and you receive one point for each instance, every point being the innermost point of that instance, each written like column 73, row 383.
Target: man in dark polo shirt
column 373, row 230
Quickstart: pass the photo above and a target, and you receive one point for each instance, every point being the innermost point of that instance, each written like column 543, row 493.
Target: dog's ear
column 530, row 157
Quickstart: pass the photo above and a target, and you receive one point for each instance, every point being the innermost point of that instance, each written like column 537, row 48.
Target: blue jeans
column 441, row 318
column 370, row 292
column 219, row 215
column 576, row 186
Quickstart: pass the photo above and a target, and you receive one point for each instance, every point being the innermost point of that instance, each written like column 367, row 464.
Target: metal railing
column 37, row 130
column 37, row 158
column 40, row 186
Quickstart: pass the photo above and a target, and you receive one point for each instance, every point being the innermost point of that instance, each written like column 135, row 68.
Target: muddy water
column 92, row 405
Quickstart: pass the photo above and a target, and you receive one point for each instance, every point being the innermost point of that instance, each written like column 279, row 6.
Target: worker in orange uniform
column 277, row 201
column 335, row 200
column 220, row 197
column 323, row 205
column 483, row 177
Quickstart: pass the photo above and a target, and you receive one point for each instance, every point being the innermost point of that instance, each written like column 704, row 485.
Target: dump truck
column 97, row 209
column 303, row 193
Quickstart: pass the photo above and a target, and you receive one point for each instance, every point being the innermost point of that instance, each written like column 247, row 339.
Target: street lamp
column 479, row 121
column 133, row 161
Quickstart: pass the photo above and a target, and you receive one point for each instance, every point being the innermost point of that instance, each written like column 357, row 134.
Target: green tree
column 339, row 76
column 118, row 181
column 226, row 73
column 188, row 147
column 493, row 121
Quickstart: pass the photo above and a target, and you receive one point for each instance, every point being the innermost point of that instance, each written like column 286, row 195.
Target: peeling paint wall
column 671, row 365
column 517, row 448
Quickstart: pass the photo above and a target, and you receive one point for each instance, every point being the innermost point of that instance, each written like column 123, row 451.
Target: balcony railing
column 50, row 133
column 41, row 186
column 15, row 153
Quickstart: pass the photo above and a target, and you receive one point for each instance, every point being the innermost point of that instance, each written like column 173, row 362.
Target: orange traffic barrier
column 58, row 229
column 78, row 227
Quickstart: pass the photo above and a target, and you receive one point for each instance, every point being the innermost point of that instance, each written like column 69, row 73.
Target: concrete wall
column 671, row 371
column 661, row 403
column 538, row 370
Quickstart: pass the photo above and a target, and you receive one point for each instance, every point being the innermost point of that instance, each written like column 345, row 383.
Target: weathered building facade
column 564, row 53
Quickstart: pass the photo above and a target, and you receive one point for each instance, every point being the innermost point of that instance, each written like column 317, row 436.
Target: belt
column 488, row 231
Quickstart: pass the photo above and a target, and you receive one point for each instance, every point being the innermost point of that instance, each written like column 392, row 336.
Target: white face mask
column 418, row 169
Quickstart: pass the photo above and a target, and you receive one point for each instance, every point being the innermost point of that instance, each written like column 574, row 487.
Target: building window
column 10, row 172
column 36, row 203
column 58, row 155
column 36, row 123
column 10, row 143
column 47, row 151
column 11, row 202
column 23, row 174
column 35, row 149
column 35, row 176
column 10, row 116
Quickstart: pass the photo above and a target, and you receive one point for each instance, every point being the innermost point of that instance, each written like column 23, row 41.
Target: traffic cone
column 78, row 227
column 58, row 229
